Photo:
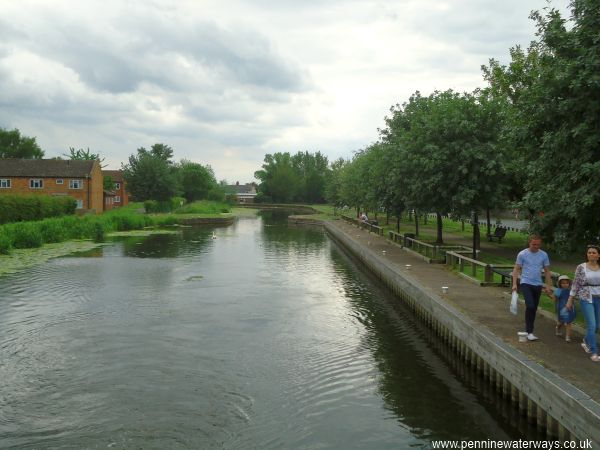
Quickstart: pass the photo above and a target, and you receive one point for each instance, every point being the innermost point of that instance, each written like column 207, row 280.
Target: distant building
column 244, row 193
column 80, row 179
column 117, row 196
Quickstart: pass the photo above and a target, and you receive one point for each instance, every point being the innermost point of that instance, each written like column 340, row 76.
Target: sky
column 225, row 82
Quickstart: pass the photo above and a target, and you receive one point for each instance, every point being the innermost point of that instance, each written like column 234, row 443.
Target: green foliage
column 25, row 235
column 35, row 234
column 150, row 175
column 196, row 181
column 551, row 92
column 204, row 207
column 13, row 145
column 5, row 242
column 17, row 207
column 99, row 232
column 81, row 154
column 333, row 184
column 217, row 194
column 108, row 183
column 53, row 230
column 299, row 178
column 154, row 206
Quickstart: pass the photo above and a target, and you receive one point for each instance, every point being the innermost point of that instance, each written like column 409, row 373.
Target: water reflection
column 419, row 388
column 189, row 241
column 262, row 338
column 279, row 237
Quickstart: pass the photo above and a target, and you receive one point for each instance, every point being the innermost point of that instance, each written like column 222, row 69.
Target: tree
column 108, row 183
column 278, row 180
column 151, row 175
column 13, row 145
column 353, row 189
column 161, row 151
column 449, row 160
column 81, row 154
column 312, row 171
column 553, row 91
column 333, row 185
column 196, row 180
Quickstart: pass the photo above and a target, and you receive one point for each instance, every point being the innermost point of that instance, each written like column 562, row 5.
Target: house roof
column 46, row 168
column 242, row 188
column 116, row 175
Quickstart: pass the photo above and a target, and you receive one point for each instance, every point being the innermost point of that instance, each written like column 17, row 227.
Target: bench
column 506, row 275
column 499, row 233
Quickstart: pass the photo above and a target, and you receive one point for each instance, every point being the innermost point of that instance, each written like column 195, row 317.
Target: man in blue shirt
column 529, row 266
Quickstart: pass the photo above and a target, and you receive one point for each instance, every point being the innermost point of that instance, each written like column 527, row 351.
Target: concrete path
column 488, row 306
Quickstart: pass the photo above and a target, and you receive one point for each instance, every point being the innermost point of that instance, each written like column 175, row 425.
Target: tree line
column 529, row 140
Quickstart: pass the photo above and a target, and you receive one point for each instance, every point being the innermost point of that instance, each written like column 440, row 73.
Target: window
column 75, row 184
column 117, row 199
column 79, row 204
column 117, row 185
column 4, row 183
column 36, row 183
column 59, row 181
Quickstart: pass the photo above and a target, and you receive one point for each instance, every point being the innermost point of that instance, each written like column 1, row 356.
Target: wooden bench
column 499, row 233
column 506, row 275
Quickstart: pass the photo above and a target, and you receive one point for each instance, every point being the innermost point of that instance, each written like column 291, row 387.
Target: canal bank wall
column 554, row 405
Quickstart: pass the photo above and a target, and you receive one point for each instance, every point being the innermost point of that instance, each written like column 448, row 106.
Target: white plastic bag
column 513, row 302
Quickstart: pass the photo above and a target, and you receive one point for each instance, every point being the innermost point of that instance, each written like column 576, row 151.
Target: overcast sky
column 224, row 82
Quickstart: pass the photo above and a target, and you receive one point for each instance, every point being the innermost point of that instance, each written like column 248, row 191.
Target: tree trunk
column 476, row 238
column 398, row 224
column 462, row 222
column 387, row 217
column 440, row 225
column 416, row 223
column 489, row 222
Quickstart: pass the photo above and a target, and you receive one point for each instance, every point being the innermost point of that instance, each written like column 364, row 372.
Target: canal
column 267, row 337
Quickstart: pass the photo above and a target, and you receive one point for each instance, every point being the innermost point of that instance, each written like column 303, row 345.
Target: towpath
column 488, row 307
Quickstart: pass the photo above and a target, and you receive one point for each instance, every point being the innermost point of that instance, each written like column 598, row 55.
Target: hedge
column 21, row 208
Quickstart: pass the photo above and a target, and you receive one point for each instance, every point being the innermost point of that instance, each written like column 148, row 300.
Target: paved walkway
column 488, row 306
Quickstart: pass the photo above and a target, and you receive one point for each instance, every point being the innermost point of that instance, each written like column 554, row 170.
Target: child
column 564, row 316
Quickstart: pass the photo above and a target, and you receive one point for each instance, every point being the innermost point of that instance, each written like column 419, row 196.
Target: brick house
column 119, row 192
column 80, row 179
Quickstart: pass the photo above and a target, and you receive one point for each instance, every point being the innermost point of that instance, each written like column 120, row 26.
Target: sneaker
column 557, row 330
column 585, row 347
column 532, row 337
column 568, row 339
column 595, row 358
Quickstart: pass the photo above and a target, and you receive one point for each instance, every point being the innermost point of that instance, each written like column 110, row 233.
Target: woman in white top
column 586, row 287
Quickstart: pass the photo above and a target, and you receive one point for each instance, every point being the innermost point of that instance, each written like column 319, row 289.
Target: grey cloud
column 148, row 49
column 485, row 31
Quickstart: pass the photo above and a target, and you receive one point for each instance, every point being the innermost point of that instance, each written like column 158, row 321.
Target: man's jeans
column 532, row 294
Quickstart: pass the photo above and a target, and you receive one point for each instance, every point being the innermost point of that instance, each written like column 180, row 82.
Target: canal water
column 267, row 337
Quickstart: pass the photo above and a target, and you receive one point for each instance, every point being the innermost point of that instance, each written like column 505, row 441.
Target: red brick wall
column 96, row 193
column 90, row 193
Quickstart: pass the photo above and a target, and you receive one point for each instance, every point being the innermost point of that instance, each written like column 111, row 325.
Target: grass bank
column 34, row 234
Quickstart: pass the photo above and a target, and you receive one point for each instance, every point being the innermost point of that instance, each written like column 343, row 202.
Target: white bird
column 214, row 236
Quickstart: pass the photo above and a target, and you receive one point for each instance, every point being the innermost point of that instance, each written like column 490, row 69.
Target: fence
column 364, row 225
column 483, row 223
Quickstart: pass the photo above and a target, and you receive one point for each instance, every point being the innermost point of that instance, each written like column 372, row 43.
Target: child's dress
column 563, row 314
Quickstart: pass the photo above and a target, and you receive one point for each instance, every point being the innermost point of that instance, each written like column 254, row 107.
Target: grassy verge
column 34, row 234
